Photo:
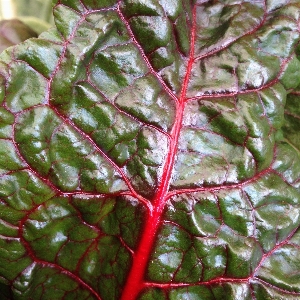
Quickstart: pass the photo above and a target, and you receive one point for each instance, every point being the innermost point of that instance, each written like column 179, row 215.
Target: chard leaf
column 150, row 150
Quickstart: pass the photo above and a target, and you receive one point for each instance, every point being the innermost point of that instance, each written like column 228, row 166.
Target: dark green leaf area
column 280, row 31
column 221, row 22
column 120, row 221
column 3, row 80
column 252, row 61
column 52, row 152
column 192, row 292
column 198, row 217
column 162, row 57
column 94, row 4
column 54, row 232
column 228, row 139
column 127, row 140
column 148, row 8
column 34, row 136
column 277, row 209
column 217, row 229
column 116, row 68
column 89, row 38
column 113, row 131
column 120, row 136
column 172, row 17
column 200, row 163
column 273, row 101
column 66, row 20
column 234, row 70
column 120, row 216
column 46, row 282
column 5, row 292
column 130, row 143
column 290, row 76
column 111, row 66
column 106, row 266
column 265, row 291
column 41, row 55
column 74, row 4
column 181, row 257
column 281, row 269
column 174, row 258
column 152, row 32
column 153, row 294
column 67, row 234
column 233, row 291
column 9, row 158
column 145, row 167
column 225, row 291
column 22, row 190
column 82, row 5
column 146, row 101
column 162, row 29
column 6, row 122
column 292, row 117
column 13, row 257
column 10, row 218
column 18, row 95
column 287, row 163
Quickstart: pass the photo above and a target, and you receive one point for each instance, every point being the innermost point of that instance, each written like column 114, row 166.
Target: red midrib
column 135, row 281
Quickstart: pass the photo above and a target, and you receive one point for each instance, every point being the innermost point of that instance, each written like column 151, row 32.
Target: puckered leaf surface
column 149, row 149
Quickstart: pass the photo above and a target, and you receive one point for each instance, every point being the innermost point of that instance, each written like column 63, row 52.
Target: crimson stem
column 135, row 281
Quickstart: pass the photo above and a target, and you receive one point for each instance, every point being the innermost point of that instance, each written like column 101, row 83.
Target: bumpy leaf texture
column 147, row 152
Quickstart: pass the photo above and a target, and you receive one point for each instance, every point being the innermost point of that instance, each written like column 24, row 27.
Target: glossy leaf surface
column 150, row 150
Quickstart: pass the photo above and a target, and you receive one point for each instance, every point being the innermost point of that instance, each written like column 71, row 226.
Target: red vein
column 241, row 92
column 176, row 285
column 141, row 256
column 286, row 112
column 239, row 185
column 295, row 93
